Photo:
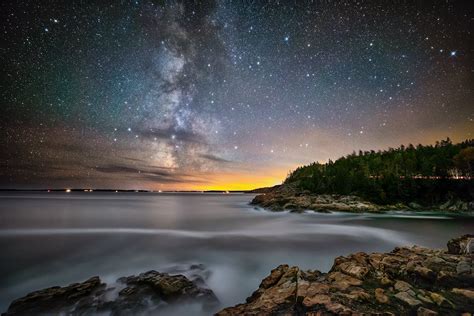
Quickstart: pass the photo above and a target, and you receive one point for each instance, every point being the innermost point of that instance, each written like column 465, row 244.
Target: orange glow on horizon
column 233, row 181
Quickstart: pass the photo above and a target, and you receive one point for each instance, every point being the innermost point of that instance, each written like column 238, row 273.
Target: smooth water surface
column 59, row 238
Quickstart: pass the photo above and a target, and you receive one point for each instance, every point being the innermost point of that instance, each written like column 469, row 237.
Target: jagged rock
column 142, row 294
column 56, row 299
column 407, row 281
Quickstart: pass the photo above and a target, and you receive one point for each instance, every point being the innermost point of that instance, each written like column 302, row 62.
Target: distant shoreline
column 86, row 190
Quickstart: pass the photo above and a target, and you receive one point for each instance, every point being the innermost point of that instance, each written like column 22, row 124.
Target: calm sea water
column 51, row 239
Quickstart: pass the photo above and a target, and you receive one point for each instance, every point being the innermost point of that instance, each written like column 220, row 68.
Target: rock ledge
column 407, row 281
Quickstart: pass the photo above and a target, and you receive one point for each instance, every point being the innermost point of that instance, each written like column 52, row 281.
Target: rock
column 439, row 299
column 55, row 299
column 425, row 273
column 414, row 205
column 359, row 294
column 289, row 196
column 470, row 206
column 469, row 294
column 355, row 270
column 463, row 267
column 286, row 197
column 461, row 245
column 406, row 281
column 425, row 312
column 424, row 299
column 145, row 293
column 402, row 286
column 342, row 281
column 380, row 296
column 408, row 299
column 445, row 205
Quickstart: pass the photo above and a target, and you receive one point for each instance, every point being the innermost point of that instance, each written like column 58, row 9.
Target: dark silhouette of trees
column 422, row 174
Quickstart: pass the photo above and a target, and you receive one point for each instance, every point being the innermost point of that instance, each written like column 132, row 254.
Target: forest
column 423, row 174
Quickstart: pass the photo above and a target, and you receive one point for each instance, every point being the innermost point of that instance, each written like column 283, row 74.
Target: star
column 191, row 91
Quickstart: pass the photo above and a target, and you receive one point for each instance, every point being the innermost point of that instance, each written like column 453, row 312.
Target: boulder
column 461, row 245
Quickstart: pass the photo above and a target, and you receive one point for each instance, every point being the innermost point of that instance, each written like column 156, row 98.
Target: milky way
column 232, row 94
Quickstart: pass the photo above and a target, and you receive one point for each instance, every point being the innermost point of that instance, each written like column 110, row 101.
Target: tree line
column 424, row 174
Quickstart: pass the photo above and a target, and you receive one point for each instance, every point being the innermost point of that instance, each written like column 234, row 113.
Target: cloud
column 214, row 158
column 162, row 175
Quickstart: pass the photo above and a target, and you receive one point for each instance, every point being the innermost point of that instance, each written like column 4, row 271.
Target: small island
column 431, row 178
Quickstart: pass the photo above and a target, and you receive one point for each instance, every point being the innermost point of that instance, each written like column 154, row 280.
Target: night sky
column 225, row 95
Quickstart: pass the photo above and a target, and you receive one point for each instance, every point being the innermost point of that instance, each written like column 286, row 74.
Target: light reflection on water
column 57, row 238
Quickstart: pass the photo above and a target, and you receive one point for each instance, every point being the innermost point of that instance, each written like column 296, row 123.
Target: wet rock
column 56, row 299
column 143, row 294
column 407, row 281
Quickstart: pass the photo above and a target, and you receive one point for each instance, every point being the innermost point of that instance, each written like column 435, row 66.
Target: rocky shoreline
column 287, row 198
column 148, row 293
column 407, row 281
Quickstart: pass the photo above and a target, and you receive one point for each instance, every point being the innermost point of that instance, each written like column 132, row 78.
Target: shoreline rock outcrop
column 289, row 198
column 407, row 281
column 144, row 294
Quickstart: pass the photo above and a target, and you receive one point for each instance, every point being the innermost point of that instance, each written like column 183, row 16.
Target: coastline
column 408, row 280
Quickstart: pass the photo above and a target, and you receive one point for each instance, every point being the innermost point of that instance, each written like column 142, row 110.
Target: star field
column 223, row 95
